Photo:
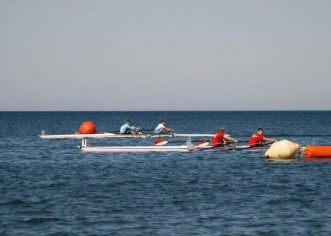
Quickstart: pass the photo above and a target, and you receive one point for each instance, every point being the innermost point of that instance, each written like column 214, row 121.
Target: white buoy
column 282, row 150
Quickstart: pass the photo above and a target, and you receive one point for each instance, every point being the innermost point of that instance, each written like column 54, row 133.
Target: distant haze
column 65, row 55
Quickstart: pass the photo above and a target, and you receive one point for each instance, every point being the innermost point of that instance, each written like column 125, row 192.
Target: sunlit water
column 49, row 187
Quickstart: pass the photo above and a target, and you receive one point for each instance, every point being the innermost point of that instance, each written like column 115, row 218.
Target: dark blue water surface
column 49, row 187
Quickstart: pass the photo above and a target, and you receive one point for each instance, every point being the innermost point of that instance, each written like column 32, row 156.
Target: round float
column 87, row 127
column 282, row 150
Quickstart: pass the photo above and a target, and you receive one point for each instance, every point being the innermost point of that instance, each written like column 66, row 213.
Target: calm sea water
column 49, row 187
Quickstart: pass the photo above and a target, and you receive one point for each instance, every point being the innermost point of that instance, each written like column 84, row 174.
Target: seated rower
column 161, row 129
column 128, row 129
column 219, row 139
column 258, row 139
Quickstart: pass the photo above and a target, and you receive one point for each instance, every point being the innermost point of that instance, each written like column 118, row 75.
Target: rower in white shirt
column 161, row 129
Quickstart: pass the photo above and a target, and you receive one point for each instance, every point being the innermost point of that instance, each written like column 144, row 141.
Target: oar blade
column 159, row 142
column 202, row 143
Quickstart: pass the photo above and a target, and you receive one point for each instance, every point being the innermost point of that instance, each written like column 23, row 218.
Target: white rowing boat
column 112, row 135
column 182, row 148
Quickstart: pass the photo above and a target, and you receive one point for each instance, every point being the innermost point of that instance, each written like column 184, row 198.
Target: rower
column 258, row 139
column 128, row 129
column 161, row 129
column 219, row 139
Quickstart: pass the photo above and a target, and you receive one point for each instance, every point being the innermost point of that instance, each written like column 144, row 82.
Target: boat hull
column 181, row 148
column 136, row 149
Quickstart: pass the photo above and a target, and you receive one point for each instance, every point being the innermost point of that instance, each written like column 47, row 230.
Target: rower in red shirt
column 258, row 138
column 219, row 138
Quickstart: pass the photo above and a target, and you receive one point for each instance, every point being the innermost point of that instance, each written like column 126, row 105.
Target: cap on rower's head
column 162, row 121
column 259, row 129
column 128, row 121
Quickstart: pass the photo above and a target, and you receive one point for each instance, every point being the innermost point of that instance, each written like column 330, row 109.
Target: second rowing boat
column 181, row 148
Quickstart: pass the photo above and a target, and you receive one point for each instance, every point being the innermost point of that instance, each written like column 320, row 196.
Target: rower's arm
column 132, row 127
column 269, row 139
column 231, row 139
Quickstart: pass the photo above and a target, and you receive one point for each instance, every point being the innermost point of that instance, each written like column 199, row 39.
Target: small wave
column 15, row 202
column 40, row 220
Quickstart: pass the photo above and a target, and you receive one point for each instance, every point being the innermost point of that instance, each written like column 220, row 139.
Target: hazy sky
column 165, row 55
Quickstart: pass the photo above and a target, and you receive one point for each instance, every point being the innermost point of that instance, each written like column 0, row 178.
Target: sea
column 51, row 187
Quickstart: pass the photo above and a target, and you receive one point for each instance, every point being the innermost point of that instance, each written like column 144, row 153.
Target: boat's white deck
column 112, row 135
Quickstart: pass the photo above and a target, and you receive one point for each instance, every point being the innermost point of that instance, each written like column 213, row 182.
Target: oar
column 256, row 146
column 140, row 130
column 199, row 142
column 113, row 132
column 164, row 142
column 160, row 134
column 146, row 130
column 262, row 144
column 160, row 142
column 227, row 146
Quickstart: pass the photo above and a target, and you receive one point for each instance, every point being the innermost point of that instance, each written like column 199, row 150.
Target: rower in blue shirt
column 128, row 129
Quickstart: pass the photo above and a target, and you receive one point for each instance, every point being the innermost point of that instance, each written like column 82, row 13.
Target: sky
column 116, row 55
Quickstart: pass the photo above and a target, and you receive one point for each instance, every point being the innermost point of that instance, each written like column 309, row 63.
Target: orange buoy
column 87, row 128
column 317, row 152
